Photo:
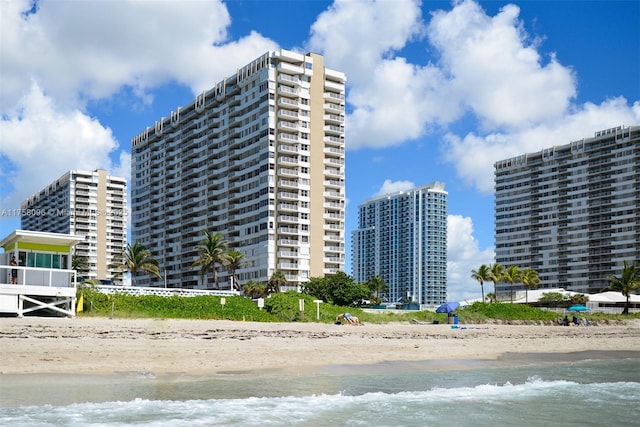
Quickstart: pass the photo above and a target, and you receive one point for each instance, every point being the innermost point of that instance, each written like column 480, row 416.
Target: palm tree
column 80, row 263
column 530, row 279
column 491, row 297
column 137, row 259
column 377, row 286
column 253, row 289
column 234, row 261
column 212, row 251
column 482, row 274
column 628, row 282
column 277, row 279
column 512, row 275
column 496, row 276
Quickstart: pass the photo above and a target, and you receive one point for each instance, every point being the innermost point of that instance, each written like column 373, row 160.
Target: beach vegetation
column 137, row 259
column 626, row 283
column 233, row 262
column 276, row 281
column 479, row 312
column 338, row 289
column 80, row 264
column 123, row 305
column 254, row 289
column 497, row 272
column 558, row 299
column 213, row 251
column 530, row 279
column 512, row 275
column 378, row 287
column 286, row 307
column 481, row 275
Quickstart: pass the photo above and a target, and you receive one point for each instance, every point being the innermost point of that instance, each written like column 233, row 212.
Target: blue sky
column 436, row 90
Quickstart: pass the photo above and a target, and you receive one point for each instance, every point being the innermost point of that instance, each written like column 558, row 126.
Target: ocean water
column 447, row 393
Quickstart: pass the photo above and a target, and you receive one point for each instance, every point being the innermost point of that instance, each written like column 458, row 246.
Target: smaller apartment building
column 92, row 205
column 571, row 212
column 402, row 238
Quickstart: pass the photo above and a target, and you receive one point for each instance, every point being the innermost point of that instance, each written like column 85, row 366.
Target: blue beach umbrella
column 448, row 307
column 578, row 307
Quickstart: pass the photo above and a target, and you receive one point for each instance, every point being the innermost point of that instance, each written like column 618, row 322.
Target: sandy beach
column 100, row 346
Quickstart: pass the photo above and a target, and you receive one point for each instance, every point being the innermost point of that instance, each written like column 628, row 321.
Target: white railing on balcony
column 38, row 276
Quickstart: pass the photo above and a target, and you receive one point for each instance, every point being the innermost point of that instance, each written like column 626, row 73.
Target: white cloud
column 389, row 187
column 474, row 156
column 493, row 69
column 56, row 58
column 464, row 255
column 398, row 103
column 92, row 49
column 40, row 136
column 393, row 101
column 488, row 70
column 355, row 35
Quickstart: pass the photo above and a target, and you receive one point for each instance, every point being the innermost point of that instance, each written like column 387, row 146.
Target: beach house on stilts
column 40, row 279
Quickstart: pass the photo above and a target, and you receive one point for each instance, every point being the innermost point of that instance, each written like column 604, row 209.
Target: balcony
column 288, row 207
column 333, row 119
column 288, row 125
column 288, row 148
column 285, row 183
column 335, row 97
column 285, row 78
column 285, row 67
column 287, row 195
column 288, row 160
column 288, row 91
column 334, row 150
column 333, row 86
column 288, row 103
column 288, row 172
column 288, row 137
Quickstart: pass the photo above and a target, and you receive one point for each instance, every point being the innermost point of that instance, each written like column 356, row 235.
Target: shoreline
column 102, row 346
column 61, row 361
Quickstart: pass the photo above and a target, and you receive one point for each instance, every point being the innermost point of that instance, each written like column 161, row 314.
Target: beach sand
column 101, row 346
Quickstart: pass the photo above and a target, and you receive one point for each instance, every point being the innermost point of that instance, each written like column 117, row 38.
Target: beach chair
column 585, row 322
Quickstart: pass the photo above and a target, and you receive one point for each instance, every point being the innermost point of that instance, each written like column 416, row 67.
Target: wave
column 481, row 404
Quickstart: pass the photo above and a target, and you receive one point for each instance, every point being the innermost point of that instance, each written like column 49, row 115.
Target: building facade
column 92, row 205
column 402, row 238
column 571, row 212
column 258, row 158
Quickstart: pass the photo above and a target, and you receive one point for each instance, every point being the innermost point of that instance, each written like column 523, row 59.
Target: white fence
column 163, row 292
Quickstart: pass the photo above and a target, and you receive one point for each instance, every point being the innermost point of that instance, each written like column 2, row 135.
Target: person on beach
column 347, row 317
column 14, row 271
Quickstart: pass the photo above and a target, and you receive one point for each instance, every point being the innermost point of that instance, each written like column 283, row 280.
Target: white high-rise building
column 402, row 238
column 571, row 212
column 83, row 203
column 258, row 158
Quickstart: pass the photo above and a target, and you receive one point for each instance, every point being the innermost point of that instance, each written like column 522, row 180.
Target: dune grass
column 285, row 307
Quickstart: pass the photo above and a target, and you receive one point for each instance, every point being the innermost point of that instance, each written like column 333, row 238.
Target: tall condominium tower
column 402, row 238
column 89, row 204
column 258, row 158
column 571, row 212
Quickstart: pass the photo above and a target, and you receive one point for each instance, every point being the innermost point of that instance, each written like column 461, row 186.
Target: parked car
column 107, row 282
